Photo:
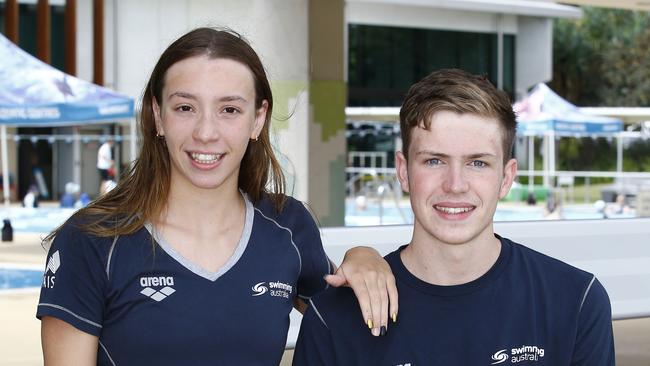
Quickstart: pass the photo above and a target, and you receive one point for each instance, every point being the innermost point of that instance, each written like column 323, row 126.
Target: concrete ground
column 20, row 330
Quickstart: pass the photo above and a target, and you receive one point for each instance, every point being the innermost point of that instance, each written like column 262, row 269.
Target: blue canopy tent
column 544, row 113
column 34, row 94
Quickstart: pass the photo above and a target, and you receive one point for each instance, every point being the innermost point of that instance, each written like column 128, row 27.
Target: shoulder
column 550, row 272
column 294, row 213
column 73, row 239
column 336, row 306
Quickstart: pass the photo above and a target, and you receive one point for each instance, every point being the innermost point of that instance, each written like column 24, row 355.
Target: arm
column 370, row 277
column 64, row 344
column 594, row 341
column 314, row 346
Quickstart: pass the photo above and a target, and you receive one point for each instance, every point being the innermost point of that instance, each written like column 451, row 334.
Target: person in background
column 31, row 197
column 467, row 295
column 104, row 162
column 619, row 207
column 197, row 257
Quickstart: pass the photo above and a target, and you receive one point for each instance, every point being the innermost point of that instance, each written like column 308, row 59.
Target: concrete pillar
column 328, row 95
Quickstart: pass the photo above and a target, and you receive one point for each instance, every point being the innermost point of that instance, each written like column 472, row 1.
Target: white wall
column 429, row 17
column 534, row 53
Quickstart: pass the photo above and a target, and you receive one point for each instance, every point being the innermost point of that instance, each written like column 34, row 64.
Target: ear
column 156, row 116
column 401, row 165
column 509, row 174
column 260, row 120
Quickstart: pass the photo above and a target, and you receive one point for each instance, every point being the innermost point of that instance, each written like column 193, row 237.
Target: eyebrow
column 470, row 156
column 228, row 98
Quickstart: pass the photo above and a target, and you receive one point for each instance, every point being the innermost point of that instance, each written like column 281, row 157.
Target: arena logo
column 275, row 289
column 157, row 295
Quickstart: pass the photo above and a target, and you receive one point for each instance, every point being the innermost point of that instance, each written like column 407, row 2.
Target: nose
column 206, row 128
column 455, row 180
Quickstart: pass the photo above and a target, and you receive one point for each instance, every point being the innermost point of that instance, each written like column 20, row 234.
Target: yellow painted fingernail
column 394, row 316
column 370, row 324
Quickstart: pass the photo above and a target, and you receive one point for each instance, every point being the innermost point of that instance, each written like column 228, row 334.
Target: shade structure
column 34, row 94
column 544, row 113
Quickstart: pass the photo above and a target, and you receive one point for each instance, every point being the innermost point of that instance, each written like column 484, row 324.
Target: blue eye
column 433, row 161
column 478, row 163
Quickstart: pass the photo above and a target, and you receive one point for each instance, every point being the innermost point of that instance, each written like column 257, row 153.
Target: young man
column 467, row 296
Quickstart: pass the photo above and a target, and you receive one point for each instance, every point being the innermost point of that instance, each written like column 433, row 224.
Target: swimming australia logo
column 275, row 289
column 159, row 295
column 53, row 265
column 518, row 354
column 500, row 357
column 259, row 289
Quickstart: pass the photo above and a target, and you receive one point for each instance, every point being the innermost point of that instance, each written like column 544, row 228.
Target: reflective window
column 384, row 61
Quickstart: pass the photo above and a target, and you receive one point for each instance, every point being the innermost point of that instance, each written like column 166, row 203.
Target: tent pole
column 545, row 160
column 76, row 156
column 619, row 154
column 5, row 167
column 551, row 158
column 531, row 162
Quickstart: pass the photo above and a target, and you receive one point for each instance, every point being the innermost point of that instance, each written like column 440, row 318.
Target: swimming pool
column 13, row 277
column 389, row 214
column 36, row 220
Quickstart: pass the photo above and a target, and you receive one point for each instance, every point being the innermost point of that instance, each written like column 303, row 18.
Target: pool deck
column 20, row 331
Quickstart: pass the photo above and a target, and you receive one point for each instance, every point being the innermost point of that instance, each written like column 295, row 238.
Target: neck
column 203, row 210
column 448, row 264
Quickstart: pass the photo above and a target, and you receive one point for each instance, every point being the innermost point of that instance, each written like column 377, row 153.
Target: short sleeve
column 595, row 339
column 74, row 281
column 314, row 346
column 314, row 262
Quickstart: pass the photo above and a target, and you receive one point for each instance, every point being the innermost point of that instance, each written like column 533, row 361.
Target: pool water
column 389, row 214
column 18, row 278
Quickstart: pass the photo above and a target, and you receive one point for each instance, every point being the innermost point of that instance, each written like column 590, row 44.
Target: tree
column 601, row 59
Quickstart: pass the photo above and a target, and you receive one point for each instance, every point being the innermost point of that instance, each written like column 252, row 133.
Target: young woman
column 192, row 259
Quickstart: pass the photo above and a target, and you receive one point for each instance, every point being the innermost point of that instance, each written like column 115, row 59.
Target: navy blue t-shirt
column 528, row 309
column 150, row 306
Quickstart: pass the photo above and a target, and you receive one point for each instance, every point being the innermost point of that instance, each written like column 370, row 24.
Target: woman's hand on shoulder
column 370, row 277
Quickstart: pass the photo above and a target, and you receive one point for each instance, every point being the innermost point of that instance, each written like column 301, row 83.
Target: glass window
column 384, row 61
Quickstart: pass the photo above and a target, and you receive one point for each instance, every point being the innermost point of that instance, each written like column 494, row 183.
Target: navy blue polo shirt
column 150, row 306
column 528, row 309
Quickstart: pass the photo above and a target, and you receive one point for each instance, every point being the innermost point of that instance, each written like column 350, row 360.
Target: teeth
column 205, row 158
column 453, row 210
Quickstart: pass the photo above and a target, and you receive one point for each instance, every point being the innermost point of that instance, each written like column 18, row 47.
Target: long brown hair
column 142, row 191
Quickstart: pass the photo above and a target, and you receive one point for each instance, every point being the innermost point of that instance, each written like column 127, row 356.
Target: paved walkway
column 20, row 330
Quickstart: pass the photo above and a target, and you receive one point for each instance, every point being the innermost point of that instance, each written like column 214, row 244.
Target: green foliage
column 601, row 59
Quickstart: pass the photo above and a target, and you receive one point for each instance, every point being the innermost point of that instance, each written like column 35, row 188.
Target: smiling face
column 207, row 116
column 455, row 176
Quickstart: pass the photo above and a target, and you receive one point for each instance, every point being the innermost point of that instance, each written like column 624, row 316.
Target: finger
column 392, row 297
column 335, row 280
column 361, row 292
column 375, row 302
column 383, row 312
